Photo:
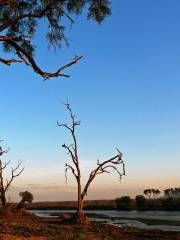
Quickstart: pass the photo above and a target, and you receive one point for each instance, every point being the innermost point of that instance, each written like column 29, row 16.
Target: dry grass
column 30, row 227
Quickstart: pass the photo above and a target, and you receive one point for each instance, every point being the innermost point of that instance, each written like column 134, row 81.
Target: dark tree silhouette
column 19, row 24
column 26, row 197
column 167, row 192
column 172, row 192
column 4, row 185
column 140, row 202
column 156, row 192
column 152, row 192
column 124, row 203
column 102, row 167
column 148, row 192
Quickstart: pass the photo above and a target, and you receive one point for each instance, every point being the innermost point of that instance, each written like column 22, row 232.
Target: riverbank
column 30, row 227
column 146, row 221
column 158, row 204
column 164, row 221
column 72, row 205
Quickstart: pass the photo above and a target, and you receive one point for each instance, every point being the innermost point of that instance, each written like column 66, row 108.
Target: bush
column 140, row 202
column 124, row 203
column 171, row 204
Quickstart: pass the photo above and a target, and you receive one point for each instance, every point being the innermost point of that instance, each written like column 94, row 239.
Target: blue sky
column 125, row 90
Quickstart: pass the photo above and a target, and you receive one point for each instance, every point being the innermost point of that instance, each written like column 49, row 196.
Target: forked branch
column 71, row 149
column 106, row 167
column 15, row 172
column 10, row 61
column 69, row 167
column 30, row 61
column 4, row 165
column 2, row 152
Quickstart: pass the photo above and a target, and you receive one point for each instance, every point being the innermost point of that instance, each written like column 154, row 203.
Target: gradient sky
column 125, row 91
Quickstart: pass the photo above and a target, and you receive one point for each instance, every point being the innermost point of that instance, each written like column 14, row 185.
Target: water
column 129, row 218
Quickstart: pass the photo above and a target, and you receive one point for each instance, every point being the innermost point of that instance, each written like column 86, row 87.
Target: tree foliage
column 172, row 192
column 26, row 196
column 19, row 22
column 124, row 203
column 140, row 202
column 152, row 192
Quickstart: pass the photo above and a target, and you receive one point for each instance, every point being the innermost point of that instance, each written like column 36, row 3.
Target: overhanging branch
column 10, row 61
column 29, row 60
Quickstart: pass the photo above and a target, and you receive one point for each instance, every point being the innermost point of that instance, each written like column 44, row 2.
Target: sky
column 125, row 91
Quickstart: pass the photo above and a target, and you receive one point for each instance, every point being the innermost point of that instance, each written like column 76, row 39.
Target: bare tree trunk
column 20, row 205
column 79, row 196
column 2, row 191
column 81, row 218
column 4, row 185
column 3, row 200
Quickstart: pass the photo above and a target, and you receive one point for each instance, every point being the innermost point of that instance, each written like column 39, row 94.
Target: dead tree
column 5, row 184
column 102, row 167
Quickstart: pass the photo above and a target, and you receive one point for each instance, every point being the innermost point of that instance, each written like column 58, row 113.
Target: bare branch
column 70, row 152
column 15, row 172
column 74, row 60
column 16, row 39
column 10, row 61
column 73, row 150
column 26, row 57
column 67, row 167
column 105, row 167
column 58, row 73
column 3, row 151
column 75, row 123
column 5, row 165
column 64, row 125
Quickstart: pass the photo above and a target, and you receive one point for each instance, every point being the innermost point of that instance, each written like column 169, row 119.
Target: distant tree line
column 151, row 200
column 152, row 193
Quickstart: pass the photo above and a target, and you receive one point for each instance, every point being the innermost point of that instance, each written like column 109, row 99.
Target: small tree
column 148, row 192
column 102, row 167
column 26, row 197
column 156, row 192
column 4, row 185
column 172, row 192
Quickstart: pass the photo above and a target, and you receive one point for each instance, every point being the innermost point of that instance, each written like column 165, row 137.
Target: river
column 126, row 218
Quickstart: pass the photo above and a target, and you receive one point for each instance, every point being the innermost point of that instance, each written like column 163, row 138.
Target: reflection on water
column 131, row 215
